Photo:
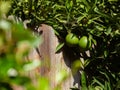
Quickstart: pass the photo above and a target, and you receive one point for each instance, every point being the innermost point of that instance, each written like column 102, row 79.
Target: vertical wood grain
column 53, row 62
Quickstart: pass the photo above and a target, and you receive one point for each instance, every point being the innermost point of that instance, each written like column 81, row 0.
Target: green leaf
column 43, row 84
column 95, row 81
column 101, row 13
column 5, row 25
column 4, row 6
column 61, row 21
column 106, row 75
column 94, row 41
column 81, row 17
column 118, row 84
column 92, row 20
column 21, row 80
column 105, row 53
column 69, row 5
column 61, row 76
column 60, row 45
column 83, row 81
column 19, row 33
column 112, row 0
column 108, row 31
column 98, row 88
column 86, row 4
column 99, row 28
column 90, row 87
column 86, row 62
column 107, row 86
column 94, row 4
column 32, row 65
column 56, row 32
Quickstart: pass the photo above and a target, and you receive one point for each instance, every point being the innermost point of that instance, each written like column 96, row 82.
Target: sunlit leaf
column 60, row 46
column 4, row 7
column 61, row 76
column 86, row 62
column 86, row 4
column 81, row 17
column 12, row 72
column 32, row 65
column 5, row 25
column 61, row 21
column 43, row 84
column 98, row 88
column 108, row 31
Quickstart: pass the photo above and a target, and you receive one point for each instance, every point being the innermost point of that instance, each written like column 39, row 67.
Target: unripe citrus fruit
column 71, row 40
column 84, row 43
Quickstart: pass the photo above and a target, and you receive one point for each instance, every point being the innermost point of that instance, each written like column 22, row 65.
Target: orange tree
column 98, row 21
column 16, row 67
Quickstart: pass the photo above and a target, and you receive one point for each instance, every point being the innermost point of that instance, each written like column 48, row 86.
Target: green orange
column 71, row 40
column 84, row 43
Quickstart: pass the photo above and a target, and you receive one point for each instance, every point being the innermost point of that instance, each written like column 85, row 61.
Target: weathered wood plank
column 53, row 62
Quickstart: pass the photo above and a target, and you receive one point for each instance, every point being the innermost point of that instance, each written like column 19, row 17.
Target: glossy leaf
column 59, row 47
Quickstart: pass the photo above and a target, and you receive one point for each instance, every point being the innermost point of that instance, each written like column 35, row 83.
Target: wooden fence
column 55, row 62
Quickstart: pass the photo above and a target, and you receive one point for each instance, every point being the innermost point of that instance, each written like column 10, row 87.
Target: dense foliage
column 99, row 20
column 17, row 70
column 15, row 45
